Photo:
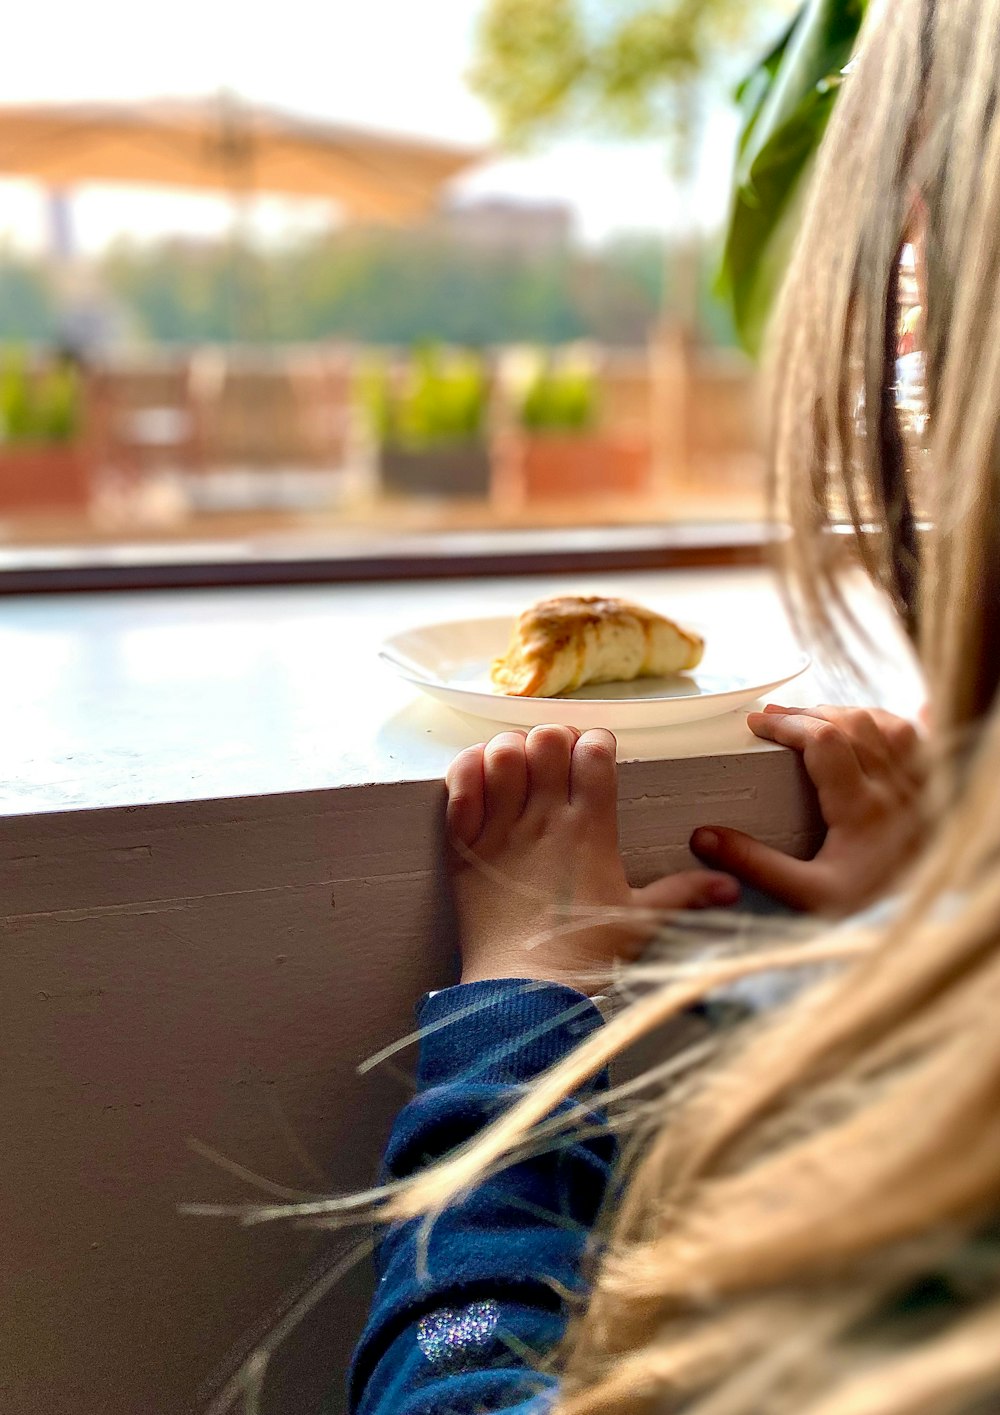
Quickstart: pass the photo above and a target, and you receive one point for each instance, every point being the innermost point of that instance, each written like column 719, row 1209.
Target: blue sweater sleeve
column 465, row 1314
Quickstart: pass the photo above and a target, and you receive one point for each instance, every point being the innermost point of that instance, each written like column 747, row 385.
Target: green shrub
column 559, row 399
column 442, row 396
column 38, row 406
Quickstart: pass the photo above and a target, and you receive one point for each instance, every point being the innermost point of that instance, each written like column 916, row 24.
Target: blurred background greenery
column 374, row 286
column 601, row 192
column 545, row 69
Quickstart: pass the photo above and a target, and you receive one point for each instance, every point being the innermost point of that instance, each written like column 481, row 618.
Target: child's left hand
column 867, row 766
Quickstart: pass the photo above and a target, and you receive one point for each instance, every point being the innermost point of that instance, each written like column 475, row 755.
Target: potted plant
column 44, row 465
column 429, row 422
column 559, row 447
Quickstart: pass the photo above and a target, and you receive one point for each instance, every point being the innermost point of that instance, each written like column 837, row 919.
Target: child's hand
column 867, row 767
column 540, row 888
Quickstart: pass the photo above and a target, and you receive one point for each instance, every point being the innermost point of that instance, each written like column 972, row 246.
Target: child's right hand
column 867, row 767
column 539, row 885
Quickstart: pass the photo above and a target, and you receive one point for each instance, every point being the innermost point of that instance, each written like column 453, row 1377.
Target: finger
column 865, row 735
column 902, row 764
column 903, row 738
column 466, row 796
column 549, row 751
column 903, row 733
column 689, row 889
column 593, row 779
column 793, row 882
column 857, row 726
column 896, row 729
column 828, row 754
column 887, row 745
column 505, row 773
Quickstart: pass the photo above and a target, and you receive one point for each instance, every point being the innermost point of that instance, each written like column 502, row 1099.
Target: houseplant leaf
column 787, row 102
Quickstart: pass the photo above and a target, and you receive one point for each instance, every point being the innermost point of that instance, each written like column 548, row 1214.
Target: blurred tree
column 549, row 65
column 27, row 306
column 635, row 68
column 176, row 291
column 378, row 287
column 387, row 287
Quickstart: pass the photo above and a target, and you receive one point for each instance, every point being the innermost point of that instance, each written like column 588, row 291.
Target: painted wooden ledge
column 218, row 970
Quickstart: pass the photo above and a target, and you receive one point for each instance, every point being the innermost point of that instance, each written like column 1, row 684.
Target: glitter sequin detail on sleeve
column 454, row 1338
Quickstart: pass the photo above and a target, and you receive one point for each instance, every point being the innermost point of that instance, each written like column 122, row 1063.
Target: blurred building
column 498, row 224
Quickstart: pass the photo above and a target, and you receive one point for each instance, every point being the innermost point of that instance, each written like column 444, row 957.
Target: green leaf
column 787, row 103
column 751, row 94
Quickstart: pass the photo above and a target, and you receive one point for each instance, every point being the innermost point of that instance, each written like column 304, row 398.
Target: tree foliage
column 373, row 287
column 27, row 304
column 551, row 66
column 546, row 66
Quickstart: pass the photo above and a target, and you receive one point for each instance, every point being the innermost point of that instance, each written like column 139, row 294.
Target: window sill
column 303, row 559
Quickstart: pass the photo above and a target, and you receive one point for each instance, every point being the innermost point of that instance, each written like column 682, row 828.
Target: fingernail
column 776, row 708
column 705, row 840
column 725, row 891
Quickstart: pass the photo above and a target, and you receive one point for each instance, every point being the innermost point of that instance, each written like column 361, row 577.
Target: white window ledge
column 135, row 699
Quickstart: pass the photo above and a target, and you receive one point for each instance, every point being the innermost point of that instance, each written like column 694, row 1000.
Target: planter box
column 44, row 478
column 452, row 470
column 565, row 466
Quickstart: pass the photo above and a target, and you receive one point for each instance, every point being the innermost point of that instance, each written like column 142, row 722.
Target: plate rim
column 804, row 656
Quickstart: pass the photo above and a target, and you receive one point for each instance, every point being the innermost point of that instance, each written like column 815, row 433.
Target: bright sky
column 394, row 64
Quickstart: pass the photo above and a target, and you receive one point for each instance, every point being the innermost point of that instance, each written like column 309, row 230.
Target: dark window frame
column 447, row 556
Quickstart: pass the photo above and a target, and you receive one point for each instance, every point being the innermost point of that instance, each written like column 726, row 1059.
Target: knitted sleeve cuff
column 503, row 1031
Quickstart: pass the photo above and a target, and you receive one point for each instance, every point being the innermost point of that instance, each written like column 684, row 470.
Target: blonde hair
column 788, row 1207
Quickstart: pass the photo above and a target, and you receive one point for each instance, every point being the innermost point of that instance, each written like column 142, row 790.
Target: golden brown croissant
column 562, row 643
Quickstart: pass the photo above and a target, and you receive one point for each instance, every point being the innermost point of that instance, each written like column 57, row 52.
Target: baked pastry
column 560, row 644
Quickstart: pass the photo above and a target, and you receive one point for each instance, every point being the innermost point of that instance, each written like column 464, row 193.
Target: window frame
column 445, row 556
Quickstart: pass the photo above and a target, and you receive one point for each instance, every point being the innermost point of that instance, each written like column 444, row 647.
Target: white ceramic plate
column 451, row 662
